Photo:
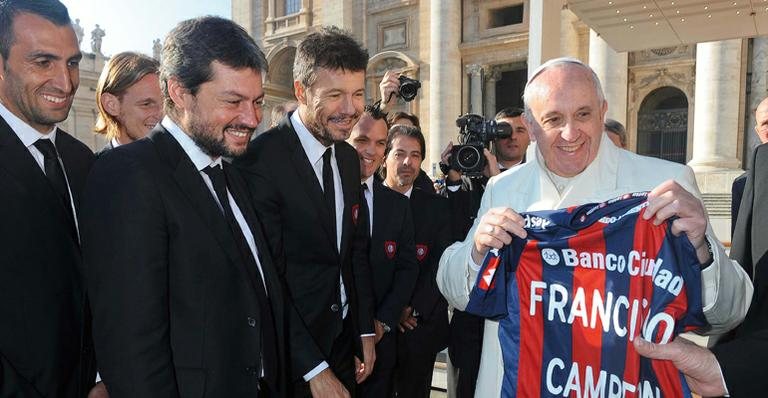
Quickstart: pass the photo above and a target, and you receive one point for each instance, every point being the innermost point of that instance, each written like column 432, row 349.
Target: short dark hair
column 615, row 127
column 508, row 112
column 376, row 113
column 330, row 48
column 52, row 10
column 193, row 45
column 403, row 115
column 400, row 130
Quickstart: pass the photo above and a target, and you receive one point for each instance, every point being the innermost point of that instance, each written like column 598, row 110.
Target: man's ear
column 111, row 104
column 179, row 94
column 300, row 92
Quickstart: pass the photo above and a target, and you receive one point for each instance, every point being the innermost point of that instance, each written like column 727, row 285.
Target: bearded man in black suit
column 185, row 296
column 305, row 182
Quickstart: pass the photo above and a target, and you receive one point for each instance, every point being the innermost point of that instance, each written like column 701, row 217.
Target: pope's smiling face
column 568, row 118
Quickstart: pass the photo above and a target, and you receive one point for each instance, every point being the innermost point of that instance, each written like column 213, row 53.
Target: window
column 292, row 6
column 505, row 16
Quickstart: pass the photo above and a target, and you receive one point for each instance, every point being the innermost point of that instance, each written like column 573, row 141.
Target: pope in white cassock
column 575, row 164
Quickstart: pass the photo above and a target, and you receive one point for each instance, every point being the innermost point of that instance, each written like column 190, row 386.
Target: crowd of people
column 190, row 258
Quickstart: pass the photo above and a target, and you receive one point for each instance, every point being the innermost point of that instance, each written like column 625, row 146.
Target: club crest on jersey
column 355, row 213
column 390, row 248
column 486, row 280
column 421, row 252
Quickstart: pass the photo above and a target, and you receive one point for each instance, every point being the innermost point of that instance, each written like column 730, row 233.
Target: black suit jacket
column 44, row 341
column 737, row 192
column 741, row 359
column 431, row 220
column 176, row 310
column 392, row 255
column 289, row 200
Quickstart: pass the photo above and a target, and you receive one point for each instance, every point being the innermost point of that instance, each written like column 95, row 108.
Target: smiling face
column 568, row 118
column 331, row 106
column 138, row 109
column 223, row 115
column 41, row 74
column 369, row 137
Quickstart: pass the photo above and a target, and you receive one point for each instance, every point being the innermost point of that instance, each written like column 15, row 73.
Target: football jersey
column 573, row 295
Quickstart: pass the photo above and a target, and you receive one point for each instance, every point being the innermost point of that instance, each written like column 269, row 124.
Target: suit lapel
column 16, row 160
column 237, row 188
column 350, row 184
column 308, row 180
column 191, row 183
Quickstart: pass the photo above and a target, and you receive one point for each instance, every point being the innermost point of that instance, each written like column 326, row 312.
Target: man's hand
column 698, row 364
column 378, row 328
column 670, row 199
column 325, row 384
column 365, row 368
column 388, row 87
column 445, row 158
column 495, row 230
column 407, row 320
column 491, row 164
column 98, row 391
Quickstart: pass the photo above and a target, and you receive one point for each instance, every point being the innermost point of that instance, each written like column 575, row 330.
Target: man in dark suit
column 129, row 99
column 45, row 348
column 185, row 296
column 305, row 181
column 737, row 189
column 424, row 322
column 392, row 253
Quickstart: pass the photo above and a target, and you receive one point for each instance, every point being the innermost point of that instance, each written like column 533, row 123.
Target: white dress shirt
column 201, row 160
column 368, row 192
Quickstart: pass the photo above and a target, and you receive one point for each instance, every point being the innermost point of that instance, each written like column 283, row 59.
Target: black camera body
column 408, row 88
column 475, row 135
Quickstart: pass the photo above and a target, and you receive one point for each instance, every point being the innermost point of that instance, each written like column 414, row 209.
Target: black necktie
column 329, row 191
column 365, row 213
column 268, row 333
column 54, row 172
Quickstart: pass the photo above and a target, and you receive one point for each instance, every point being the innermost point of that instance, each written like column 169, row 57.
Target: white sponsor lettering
column 596, row 384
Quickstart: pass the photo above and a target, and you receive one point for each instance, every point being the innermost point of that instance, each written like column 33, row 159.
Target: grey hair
column 532, row 91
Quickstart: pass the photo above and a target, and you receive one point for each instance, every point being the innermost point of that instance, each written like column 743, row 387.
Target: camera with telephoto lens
column 475, row 135
column 408, row 88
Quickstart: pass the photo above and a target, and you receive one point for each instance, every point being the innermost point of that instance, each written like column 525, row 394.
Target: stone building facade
column 691, row 103
column 82, row 115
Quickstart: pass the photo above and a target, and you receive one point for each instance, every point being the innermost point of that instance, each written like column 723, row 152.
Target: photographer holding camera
column 464, row 194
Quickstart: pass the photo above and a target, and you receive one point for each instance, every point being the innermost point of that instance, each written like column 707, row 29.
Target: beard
column 204, row 135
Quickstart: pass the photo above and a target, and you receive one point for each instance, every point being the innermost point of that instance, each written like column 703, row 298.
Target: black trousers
column 341, row 362
column 380, row 384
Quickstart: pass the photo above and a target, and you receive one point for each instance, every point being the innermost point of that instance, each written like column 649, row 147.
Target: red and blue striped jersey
column 572, row 296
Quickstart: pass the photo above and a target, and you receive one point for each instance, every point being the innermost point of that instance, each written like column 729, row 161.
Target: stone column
column 611, row 68
column 475, row 73
column 491, row 77
column 270, row 16
column 719, row 87
column 444, row 75
column 758, row 92
column 543, row 33
column 569, row 35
